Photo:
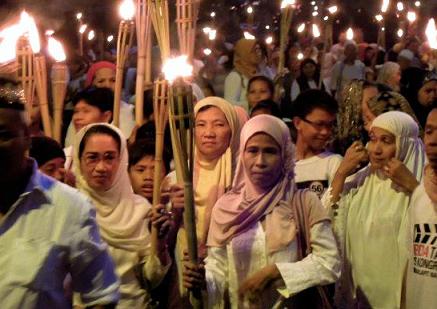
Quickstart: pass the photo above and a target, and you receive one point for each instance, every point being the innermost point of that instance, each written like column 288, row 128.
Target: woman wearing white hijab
column 370, row 212
column 100, row 165
column 253, row 245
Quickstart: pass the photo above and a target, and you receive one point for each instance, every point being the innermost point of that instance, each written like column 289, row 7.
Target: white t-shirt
column 422, row 267
column 316, row 173
column 344, row 73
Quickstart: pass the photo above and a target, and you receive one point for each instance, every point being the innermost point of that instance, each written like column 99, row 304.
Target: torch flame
column 400, row 6
column 269, row 40
column 56, row 50
column 177, row 67
column 385, row 5
column 82, row 28
column 411, row 16
column 8, row 42
column 286, row 3
column 350, row 34
column 28, row 27
column 400, row 33
column 248, row 36
column 212, row 34
column 316, row 31
column 379, row 17
column 333, row 9
column 431, row 33
column 301, row 28
column 127, row 9
column 91, row 35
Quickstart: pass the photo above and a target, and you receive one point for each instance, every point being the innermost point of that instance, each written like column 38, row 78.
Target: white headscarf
column 121, row 214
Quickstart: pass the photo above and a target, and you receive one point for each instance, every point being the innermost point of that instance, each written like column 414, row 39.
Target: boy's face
column 315, row 130
column 430, row 138
column 141, row 176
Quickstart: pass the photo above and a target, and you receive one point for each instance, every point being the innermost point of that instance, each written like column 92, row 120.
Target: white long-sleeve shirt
column 228, row 267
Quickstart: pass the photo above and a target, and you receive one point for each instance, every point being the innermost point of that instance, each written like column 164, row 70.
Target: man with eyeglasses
column 48, row 230
column 314, row 115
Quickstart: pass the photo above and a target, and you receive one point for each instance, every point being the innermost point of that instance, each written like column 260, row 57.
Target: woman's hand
column 355, row 155
column 193, row 276
column 161, row 220
column 253, row 286
column 400, row 175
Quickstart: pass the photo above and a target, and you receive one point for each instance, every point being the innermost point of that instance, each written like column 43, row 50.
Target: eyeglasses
column 320, row 125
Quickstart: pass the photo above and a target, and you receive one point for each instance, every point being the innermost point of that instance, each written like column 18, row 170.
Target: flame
column 110, row 38
column 206, row 30
column 286, row 3
column 207, row 51
column 249, row 10
column 379, row 17
column 431, row 33
column 400, row 6
column 177, row 67
column 316, row 31
column 301, row 28
column 8, row 42
column 411, row 16
column 417, row 3
column 212, row 34
column 385, row 5
column 82, row 28
column 315, row 13
column 79, row 16
column 28, row 26
column 127, row 9
column 91, row 35
column 50, row 32
column 333, row 9
column 299, row 56
column 56, row 50
column 350, row 34
column 212, row 14
column 400, row 33
column 248, row 36
column 269, row 40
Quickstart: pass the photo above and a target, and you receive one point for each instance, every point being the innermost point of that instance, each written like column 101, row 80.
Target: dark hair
column 44, row 149
column 308, row 100
column 148, row 103
column 146, row 147
column 269, row 105
column 102, row 98
column 99, row 129
column 262, row 78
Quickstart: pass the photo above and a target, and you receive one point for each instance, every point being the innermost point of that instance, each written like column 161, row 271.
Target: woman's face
column 262, row 161
column 258, row 91
column 85, row 114
column 382, row 147
column 100, row 161
column 105, row 78
column 308, row 70
column 367, row 115
column 395, row 80
column 212, row 133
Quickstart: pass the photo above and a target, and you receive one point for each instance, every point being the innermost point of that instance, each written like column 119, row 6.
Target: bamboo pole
column 59, row 80
column 26, row 72
column 143, row 30
column 186, row 20
column 160, row 110
column 124, row 42
column 181, row 118
column 160, row 21
column 286, row 18
column 41, row 90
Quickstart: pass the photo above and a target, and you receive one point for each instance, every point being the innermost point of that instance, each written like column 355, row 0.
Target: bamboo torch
column 124, row 42
column 41, row 90
column 328, row 37
column 431, row 35
column 159, row 11
column 59, row 79
column 381, row 32
column 187, row 11
column 143, row 30
column 181, row 117
column 27, row 45
column 287, row 9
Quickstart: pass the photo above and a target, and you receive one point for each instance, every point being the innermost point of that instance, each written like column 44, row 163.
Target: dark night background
column 103, row 15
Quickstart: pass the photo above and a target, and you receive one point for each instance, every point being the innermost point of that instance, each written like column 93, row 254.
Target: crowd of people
column 322, row 197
